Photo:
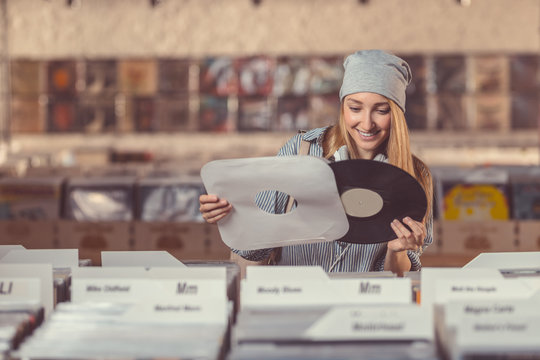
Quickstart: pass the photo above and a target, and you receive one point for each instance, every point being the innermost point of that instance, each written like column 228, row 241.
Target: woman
column 371, row 126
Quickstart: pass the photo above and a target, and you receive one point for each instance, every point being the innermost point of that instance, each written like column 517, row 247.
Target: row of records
column 492, row 193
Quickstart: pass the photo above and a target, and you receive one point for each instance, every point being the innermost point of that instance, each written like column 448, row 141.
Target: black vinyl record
column 373, row 194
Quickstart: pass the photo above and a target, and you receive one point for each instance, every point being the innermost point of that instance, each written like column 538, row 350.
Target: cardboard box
column 475, row 237
column 30, row 234
column 529, row 235
column 91, row 238
column 184, row 240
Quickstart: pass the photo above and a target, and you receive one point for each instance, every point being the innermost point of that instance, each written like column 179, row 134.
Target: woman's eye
column 383, row 111
column 354, row 109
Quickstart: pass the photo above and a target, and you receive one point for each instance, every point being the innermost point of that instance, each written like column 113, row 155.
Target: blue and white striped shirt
column 335, row 256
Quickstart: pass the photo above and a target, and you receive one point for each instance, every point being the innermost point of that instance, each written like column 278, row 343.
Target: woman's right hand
column 213, row 208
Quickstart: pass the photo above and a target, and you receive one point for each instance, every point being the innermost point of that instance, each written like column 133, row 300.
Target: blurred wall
column 90, row 29
column 95, row 28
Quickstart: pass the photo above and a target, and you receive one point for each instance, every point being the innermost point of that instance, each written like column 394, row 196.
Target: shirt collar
column 313, row 134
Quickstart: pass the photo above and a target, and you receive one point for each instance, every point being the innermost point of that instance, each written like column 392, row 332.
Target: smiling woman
column 371, row 126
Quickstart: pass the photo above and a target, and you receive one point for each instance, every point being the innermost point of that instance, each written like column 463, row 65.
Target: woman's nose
column 366, row 121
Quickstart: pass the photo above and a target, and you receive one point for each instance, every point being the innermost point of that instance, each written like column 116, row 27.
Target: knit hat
column 378, row 72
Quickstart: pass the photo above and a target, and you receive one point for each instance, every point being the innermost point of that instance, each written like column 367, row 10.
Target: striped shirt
column 333, row 256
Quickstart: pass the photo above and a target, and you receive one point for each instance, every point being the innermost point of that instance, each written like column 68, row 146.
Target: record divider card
column 194, row 294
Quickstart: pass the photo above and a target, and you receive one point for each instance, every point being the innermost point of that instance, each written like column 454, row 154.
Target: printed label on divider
column 329, row 292
column 20, row 289
column 139, row 290
column 512, row 332
column 408, row 322
column 201, row 311
column 476, row 289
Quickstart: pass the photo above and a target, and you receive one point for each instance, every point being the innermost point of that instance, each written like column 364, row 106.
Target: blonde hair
column 397, row 148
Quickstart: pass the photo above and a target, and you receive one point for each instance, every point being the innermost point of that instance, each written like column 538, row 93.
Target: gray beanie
column 378, row 72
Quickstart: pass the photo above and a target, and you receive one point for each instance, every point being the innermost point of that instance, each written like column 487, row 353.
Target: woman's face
column 367, row 120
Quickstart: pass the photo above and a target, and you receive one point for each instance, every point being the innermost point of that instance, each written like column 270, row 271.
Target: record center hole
column 266, row 197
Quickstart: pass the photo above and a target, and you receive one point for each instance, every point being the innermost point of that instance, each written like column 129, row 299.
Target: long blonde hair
column 397, row 148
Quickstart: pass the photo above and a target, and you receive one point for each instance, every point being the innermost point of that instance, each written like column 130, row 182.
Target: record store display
column 173, row 76
column 137, row 77
column 450, row 73
column 218, row 76
column 526, row 194
column 99, row 199
column 169, row 198
column 292, row 113
column 30, row 198
column 172, row 114
column 524, row 70
column 492, row 112
column 476, row 202
column 255, row 75
column 491, row 73
column 451, row 112
column 96, row 115
column 254, row 114
column 525, row 112
column 143, row 114
column 373, row 194
column 62, row 76
column 326, row 74
column 323, row 110
column 214, row 114
column 27, row 115
column 61, row 115
column 100, row 77
column 291, row 76
column 25, row 77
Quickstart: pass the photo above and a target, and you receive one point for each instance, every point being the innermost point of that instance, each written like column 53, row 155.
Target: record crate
column 91, row 238
column 32, row 234
column 184, row 240
column 474, row 237
column 528, row 235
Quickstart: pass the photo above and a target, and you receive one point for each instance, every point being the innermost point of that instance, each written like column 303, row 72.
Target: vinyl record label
column 361, row 202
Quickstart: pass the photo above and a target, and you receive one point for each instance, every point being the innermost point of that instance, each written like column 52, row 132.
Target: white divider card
column 506, row 260
column 430, row 277
column 42, row 272
column 298, row 292
column 146, row 290
column 14, row 290
column 533, row 283
column 183, row 290
column 4, row 249
column 401, row 322
column 139, row 258
column 58, row 258
column 477, row 289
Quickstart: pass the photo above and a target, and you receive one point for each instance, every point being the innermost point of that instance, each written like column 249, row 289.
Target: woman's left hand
column 412, row 239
